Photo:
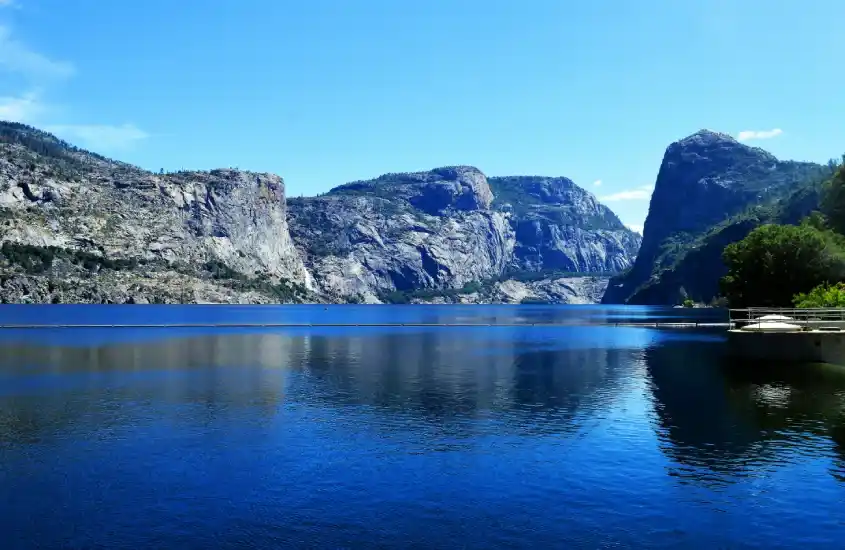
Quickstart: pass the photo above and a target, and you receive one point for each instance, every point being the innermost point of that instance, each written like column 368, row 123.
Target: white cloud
column 100, row 136
column 638, row 194
column 17, row 57
column 23, row 108
column 746, row 135
column 635, row 228
column 597, row 183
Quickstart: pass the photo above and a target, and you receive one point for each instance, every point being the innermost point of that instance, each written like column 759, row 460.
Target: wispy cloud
column 747, row 135
column 635, row 228
column 8, row 3
column 16, row 57
column 597, row 183
column 100, row 136
column 19, row 59
column 24, row 108
column 637, row 194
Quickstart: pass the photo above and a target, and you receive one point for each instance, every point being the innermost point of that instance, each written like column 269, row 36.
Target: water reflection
column 448, row 377
column 51, row 391
column 442, row 378
column 716, row 420
column 721, row 419
column 477, row 437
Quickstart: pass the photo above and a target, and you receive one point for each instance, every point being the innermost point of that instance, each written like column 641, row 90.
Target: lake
column 558, row 429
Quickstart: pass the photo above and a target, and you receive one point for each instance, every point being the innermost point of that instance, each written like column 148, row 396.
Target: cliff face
column 77, row 227
column 560, row 226
column 448, row 227
column 704, row 180
column 196, row 233
column 361, row 244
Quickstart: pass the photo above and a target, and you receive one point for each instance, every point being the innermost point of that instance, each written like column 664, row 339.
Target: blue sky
column 327, row 91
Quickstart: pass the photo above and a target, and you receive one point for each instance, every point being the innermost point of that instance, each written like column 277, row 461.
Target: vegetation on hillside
column 741, row 188
column 40, row 142
column 694, row 261
column 783, row 265
column 39, row 259
column 775, row 262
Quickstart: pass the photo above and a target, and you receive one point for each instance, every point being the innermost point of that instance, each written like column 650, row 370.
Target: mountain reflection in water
column 512, row 436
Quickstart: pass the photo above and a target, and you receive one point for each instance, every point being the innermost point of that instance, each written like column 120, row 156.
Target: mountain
column 417, row 233
column 402, row 232
column 710, row 191
column 78, row 227
column 560, row 226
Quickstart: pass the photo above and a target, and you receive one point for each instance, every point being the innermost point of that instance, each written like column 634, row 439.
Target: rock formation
column 704, row 180
column 442, row 229
column 78, row 227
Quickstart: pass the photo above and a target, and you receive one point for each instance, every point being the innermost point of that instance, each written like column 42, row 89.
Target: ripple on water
column 587, row 436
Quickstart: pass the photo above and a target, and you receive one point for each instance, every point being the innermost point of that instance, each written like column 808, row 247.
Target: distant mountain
column 448, row 229
column 560, row 226
column 710, row 191
column 78, row 227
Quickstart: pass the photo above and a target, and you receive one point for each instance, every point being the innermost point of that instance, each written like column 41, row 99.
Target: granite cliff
column 560, row 226
column 78, row 227
column 448, row 230
column 711, row 190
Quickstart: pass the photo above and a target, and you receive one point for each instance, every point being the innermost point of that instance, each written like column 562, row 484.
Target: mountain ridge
column 78, row 226
column 704, row 179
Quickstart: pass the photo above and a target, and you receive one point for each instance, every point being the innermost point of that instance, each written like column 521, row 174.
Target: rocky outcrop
column 451, row 226
column 76, row 226
column 696, row 272
column 68, row 284
column 403, row 232
column 704, row 180
column 554, row 290
column 563, row 290
column 434, row 192
column 200, row 224
column 238, row 218
column 562, row 227
column 546, row 245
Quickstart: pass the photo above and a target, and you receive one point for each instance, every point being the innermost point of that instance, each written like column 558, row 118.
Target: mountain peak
column 716, row 146
column 705, row 136
column 433, row 191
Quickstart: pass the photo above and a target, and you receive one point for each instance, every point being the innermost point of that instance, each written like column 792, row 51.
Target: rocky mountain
column 420, row 232
column 708, row 193
column 77, row 227
column 547, row 290
column 402, row 232
column 560, row 226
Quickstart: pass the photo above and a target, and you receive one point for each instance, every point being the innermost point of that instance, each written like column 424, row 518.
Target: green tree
column 822, row 296
column 816, row 220
column 833, row 201
column 775, row 262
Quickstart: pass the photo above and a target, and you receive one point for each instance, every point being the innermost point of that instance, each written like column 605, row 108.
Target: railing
column 806, row 318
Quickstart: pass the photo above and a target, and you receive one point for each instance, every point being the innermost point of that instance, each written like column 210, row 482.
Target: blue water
column 584, row 434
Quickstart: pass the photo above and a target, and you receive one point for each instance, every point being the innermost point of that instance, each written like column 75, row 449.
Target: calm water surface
column 580, row 435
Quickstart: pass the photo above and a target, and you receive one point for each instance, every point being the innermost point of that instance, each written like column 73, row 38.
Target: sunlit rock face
column 704, row 179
